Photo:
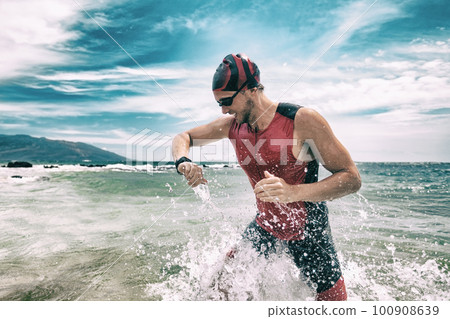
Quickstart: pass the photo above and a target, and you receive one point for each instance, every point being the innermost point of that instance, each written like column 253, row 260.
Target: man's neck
column 264, row 112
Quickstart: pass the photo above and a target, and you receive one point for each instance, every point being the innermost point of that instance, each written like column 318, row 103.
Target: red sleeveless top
column 271, row 150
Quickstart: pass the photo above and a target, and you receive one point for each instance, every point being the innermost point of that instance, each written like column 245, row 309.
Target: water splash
column 209, row 275
column 170, row 187
column 202, row 192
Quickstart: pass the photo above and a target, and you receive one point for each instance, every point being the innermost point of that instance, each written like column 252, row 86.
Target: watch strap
column 181, row 160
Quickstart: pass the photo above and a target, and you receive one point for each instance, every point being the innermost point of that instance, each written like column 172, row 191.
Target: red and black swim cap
column 234, row 71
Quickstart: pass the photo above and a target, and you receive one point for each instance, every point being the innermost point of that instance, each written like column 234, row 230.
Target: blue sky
column 382, row 79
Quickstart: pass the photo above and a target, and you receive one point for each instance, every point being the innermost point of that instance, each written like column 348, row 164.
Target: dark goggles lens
column 227, row 101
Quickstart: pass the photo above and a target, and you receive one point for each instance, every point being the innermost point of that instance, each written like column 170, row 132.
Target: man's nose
column 225, row 109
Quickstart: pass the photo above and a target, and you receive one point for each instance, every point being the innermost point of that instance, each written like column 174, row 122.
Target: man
column 270, row 140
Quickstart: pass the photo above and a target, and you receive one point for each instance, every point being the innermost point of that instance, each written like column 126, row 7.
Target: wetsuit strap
column 250, row 77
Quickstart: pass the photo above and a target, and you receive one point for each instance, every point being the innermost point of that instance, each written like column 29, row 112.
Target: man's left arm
column 345, row 179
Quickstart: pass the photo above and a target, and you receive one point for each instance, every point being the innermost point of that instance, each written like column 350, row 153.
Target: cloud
column 421, row 45
column 31, row 109
column 338, row 25
column 357, row 84
column 179, row 91
column 36, row 23
column 175, row 24
column 32, row 32
column 13, row 126
column 122, row 74
column 189, row 103
column 108, row 137
column 40, row 34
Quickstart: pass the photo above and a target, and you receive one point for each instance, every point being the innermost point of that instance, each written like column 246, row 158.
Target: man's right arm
column 198, row 136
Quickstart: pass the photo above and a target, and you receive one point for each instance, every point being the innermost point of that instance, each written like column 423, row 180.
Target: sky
column 119, row 73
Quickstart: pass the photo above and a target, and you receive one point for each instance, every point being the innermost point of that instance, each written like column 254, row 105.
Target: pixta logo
column 152, row 149
column 149, row 148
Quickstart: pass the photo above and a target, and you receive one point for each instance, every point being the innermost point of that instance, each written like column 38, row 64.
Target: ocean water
column 125, row 233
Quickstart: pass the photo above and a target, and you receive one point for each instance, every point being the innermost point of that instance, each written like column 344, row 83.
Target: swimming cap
column 233, row 72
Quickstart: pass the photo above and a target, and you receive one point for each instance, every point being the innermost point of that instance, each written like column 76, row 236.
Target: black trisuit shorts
column 315, row 255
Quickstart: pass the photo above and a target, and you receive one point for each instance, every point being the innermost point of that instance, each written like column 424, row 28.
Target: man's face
column 240, row 108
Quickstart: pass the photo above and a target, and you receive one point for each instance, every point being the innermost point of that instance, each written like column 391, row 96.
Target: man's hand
column 274, row 189
column 193, row 173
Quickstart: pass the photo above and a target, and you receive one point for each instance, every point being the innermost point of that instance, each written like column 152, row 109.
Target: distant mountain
column 43, row 150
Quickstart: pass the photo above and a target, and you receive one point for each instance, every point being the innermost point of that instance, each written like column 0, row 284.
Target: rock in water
column 19, row 164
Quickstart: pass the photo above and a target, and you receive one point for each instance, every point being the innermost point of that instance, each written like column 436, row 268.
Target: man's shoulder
column 307, row 119
column 306, row 113
column 298, row 113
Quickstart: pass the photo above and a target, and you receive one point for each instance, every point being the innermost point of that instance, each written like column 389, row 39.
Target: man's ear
column 252, row 91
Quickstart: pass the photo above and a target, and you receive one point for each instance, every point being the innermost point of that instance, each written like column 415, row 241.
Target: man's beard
column 246, row 112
